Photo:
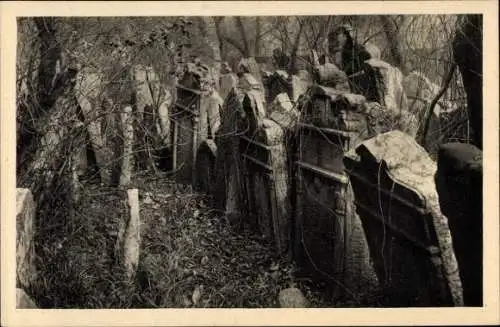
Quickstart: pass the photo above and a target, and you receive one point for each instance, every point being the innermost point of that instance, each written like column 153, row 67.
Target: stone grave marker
column 409, row 238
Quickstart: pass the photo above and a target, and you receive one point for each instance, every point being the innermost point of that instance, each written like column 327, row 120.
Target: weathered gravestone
column 281, row 82
column 409, row 238
column 106, row 108
column 89, row 92
column 147, row 96
column 227, row 80
column 330, row 75
column 420, row 92
column 196, row 118
column 329, row 237
column 250, row 66
column 265, row 173
column 25, row 243
column 459, row 183
column 283, row 111
column 227, row 193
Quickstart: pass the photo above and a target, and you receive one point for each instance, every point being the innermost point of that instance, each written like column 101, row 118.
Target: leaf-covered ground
column 190, row 256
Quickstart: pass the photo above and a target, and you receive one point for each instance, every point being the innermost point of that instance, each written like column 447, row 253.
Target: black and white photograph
column 263, row 161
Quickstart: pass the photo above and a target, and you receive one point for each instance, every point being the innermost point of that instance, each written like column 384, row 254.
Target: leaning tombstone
column 409, row 238
column 420, row 91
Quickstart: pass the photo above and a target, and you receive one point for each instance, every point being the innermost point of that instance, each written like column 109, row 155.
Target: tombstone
column 329, row 238
column 146, row 87
column 89, row 91
column 25, row 242
column 460, row 188
column 277, row 83
column 331, row 76
column 205, row 159
column 373, row 50
column 392, row 88
column 127, row 132
column 282, row 111
column 250, row 66
column 300, row 84
column 131, row 236
column 409, row 238
column 420, row 91
column 228, row 190
column 195, row 118
column 248, row 82
column 227, row 82
column 294, row 85
column 163, row 121
column 265, row 174
column 144, row 81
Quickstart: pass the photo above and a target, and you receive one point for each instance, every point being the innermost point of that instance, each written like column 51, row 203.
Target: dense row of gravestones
column 328, row 177
column 337, row 187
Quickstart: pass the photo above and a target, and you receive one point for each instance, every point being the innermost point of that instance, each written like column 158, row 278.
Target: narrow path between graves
column 191, row 257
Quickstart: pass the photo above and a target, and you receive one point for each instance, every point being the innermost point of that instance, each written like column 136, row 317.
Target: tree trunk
column 391, row 34
column 50, row 52
column 241, row 27
column 468, row 54
column 295, row 49
column 258, row 38
column 40, row 98
column 218, row 31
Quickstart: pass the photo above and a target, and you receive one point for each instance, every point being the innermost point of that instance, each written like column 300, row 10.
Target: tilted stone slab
column 410, row 241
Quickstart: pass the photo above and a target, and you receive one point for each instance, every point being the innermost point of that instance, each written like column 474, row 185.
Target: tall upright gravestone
column 329, row 236
column 265, row 174
column 195, row 119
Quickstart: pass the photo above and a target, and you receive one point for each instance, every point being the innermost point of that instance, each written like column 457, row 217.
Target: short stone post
column 25, row 248
column 132, row 236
